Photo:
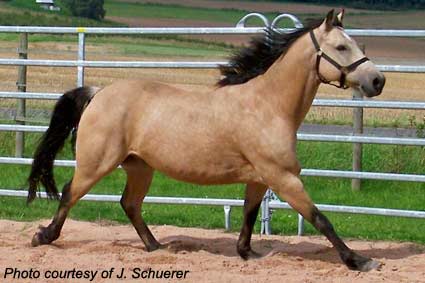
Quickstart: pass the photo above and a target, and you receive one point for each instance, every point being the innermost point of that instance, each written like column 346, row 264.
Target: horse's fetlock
column 355, row 261
column 153, row 247
column 243, row 250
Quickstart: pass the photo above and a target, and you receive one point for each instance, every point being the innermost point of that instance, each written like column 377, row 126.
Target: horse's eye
column 341, row 48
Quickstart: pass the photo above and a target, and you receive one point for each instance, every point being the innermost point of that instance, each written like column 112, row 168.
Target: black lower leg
column 244, row 241
column 133, row 210
column 48, row 234
column 143, row 231
column 349, row 257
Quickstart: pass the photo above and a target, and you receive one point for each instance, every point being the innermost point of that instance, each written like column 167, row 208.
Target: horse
column 242, row 131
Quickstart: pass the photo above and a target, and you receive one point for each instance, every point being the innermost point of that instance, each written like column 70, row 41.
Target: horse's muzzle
column 375, row 86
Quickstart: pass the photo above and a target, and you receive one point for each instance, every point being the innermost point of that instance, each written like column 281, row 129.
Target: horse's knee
column 129, row 206
column 126, row 206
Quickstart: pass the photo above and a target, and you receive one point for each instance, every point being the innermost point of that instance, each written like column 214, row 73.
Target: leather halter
column 345, row 70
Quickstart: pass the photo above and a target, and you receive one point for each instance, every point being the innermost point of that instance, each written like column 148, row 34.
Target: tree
column 92, row 9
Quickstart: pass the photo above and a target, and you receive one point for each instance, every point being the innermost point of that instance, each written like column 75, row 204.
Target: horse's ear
column 339, row 18
column 328, row 22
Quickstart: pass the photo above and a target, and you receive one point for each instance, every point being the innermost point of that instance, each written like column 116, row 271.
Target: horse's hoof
column 361, row 263
column 154, row 247
column 370, row 265
column 248, row 254
column 40, row 238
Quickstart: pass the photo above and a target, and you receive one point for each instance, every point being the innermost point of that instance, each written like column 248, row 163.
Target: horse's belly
column 206, row 177
column 205, row 169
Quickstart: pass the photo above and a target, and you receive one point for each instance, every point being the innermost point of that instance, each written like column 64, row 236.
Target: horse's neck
column 291, row 83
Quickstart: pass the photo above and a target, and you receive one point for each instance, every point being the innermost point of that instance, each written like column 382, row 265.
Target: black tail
column 66, row 116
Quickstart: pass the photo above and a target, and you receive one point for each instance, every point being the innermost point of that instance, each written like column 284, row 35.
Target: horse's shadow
column 226, row 246
column 267, row 248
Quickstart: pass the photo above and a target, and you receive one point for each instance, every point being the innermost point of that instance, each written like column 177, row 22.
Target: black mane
column 262, row 52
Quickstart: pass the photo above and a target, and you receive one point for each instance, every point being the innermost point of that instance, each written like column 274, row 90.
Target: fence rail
column 169, row 64
column 238, row 202
column 241, row 29
column 300, row 136
column 196, row 30
column 386, row 104
column 304, row 172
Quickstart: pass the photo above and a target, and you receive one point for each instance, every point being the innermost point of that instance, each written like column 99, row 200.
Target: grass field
column 27, row 13
column 149, row 10
column 222, row 12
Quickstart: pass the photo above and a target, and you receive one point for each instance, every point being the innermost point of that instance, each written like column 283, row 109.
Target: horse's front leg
column 289, row 187
column 253, row 196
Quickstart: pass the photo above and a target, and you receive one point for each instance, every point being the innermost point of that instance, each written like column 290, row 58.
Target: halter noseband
column 345, row 70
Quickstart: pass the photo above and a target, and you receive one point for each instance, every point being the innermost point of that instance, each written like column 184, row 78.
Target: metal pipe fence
column 304, row 172
column 300, row 136
column 229, row 203
column 158, row 65
column 383, row 104
column 240, row 29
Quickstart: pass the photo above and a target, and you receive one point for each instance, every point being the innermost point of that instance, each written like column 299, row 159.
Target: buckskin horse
column 244, row 131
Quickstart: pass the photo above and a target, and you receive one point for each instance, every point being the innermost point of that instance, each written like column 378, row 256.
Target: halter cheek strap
column 345, row 70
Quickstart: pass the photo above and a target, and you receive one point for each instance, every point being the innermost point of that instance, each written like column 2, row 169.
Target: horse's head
column 339, row 58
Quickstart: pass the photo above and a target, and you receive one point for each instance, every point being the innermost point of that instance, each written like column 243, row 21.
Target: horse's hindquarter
column 185, row 135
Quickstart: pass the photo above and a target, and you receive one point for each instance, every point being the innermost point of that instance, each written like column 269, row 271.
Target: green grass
column 23, row 13
column 25, row 4
column 150, row 10
column 170, row 46
column 170, row 11
column 28, row 13
column 398, row 195
column 133, row 10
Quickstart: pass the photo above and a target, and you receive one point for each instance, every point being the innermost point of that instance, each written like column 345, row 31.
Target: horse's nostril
column 378, row 83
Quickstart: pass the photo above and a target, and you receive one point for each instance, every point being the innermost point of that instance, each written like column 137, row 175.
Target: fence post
column 357, row 130
column 227, row 223
column 300, row 225
column 81, row 57
column 265, row 213
column 22, row 87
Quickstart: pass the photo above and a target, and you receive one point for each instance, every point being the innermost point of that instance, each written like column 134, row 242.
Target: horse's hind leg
column 253, row 196
column 93, row 163
column 290, row 188
column 80, row 184
column 139, row 177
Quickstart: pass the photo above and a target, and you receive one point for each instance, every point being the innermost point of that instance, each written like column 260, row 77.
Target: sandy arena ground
column 208, row 255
